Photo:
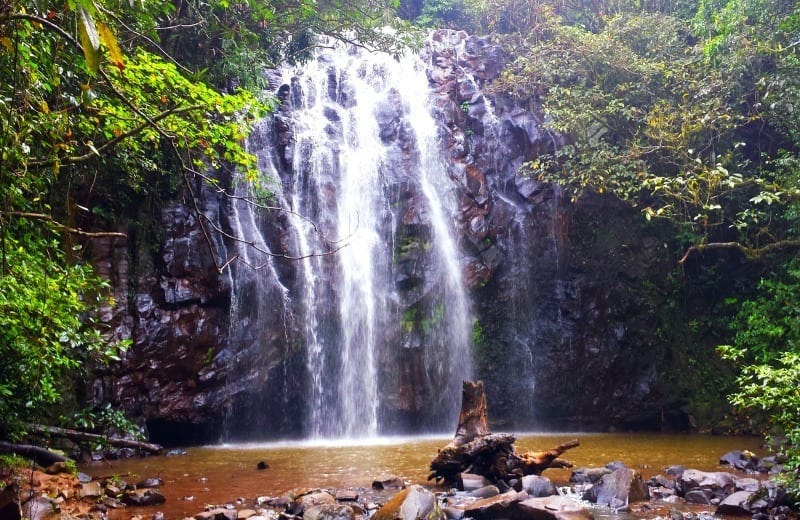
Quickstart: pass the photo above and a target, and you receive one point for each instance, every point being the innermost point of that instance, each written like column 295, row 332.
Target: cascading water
column 384, row 322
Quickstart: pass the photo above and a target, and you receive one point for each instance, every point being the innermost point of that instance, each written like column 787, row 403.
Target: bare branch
column 59, row 225
column 748, row 252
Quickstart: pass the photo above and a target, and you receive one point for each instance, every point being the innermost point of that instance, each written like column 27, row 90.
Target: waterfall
column 384, row 321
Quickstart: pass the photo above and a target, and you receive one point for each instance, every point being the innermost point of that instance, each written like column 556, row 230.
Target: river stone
column 698, row 496
column 588, row 475
column 618, row 489
column 485, row 492
column 736, row 504
column 346, row 495
column 329, row 512
column 551, row 508
column 143, row 497
column 497, row 507
column 471, row 481
column 538, row 486
column 316, row 499
column 244, row 514
column 747, row 484
column 218, row 513
column 389, row 483
column 9, row 503
column 741, row 460
column 91, row 490
column 409, row 504
column 151, row 482
column 720, row 483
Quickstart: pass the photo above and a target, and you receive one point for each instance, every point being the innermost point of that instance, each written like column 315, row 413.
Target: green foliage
column 46, row 332
column 103, row 420
column 652, row 117
column 106, row 107
column 767, row 345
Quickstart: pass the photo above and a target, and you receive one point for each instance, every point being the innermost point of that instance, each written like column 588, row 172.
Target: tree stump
column 476, row 450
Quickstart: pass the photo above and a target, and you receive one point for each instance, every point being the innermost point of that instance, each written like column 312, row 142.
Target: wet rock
column 471, row 482
column 500, row 506
column 218, row 513
column 619, row 488
column 551, row 508
column 389, row 483
column 674, row 471
column 329, row 512
column 244, row 514
column 262, row 465
column 175, row 452
column 719, row 483
column 741, row 460
column 698, row 496
column 485, row 492
column 537, row 486
column 588, row 475
column 315, row 499
column 453, row 513
column 661, row 481
column 346, row 495
column 143, row 497
column 113, row 503
column 409, row 504
column 151, row 482
column 736, row 504
column 747, row 484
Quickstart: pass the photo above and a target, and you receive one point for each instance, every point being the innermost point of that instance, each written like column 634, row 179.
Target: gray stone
column 736, row 504
column 143, row 497
column 243, row 514
column 698, row 496
column 485, row 492
column 588, row 475
column 472, row 482
column 500, row 506
column 538, row 486
column 551, row 508
column 719, row 483
column 618, row 489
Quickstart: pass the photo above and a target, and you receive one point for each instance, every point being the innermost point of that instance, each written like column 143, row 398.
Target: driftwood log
column 78, row 436
column 474, row 449
column 41, row 456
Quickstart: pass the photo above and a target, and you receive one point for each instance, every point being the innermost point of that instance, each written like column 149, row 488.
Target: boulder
column 500, row 506
column 618, row 489
column 588, row 475
column 719, row 483
column 91, row 490
column 9, row 503
column 551, row 508
column 736, row 504
column 741, row 460
column 315, row 499
column 409, row 504
column 537, row 486
column 144, row 497
column 698, row 496
column 218, row 513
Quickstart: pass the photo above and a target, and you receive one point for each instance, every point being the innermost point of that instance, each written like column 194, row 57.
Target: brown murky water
column 221, row 474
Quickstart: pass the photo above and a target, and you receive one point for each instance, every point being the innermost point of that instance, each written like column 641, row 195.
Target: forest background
column 689, row 111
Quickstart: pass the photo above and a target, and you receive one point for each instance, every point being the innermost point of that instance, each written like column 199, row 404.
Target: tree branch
column 59, row 225
column 748, row 252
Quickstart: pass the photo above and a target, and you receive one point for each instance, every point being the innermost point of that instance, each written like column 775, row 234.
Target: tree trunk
column 492, row 455
column 76, row 435
column 41, row 456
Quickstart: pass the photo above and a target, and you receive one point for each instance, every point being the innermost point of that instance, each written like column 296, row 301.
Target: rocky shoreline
column 679, row 493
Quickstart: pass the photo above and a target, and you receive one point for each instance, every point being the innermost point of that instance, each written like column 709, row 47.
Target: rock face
column 555, row 288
